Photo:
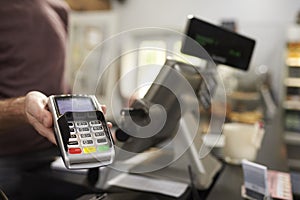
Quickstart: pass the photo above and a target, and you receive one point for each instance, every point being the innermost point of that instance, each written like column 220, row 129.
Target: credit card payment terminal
column 81, row 131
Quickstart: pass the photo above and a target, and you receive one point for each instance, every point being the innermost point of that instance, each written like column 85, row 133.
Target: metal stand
column 204, row 168
column 93, row 176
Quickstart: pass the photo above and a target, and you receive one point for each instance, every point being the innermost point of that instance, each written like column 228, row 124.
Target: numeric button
column 71, row 124
column 83, row 130
column 99, row 134
column 101, row 141
column 81, row 124
column 85, row 135
column 87, row 142
column 97, row 128
column 72, row 130
column 95, row 123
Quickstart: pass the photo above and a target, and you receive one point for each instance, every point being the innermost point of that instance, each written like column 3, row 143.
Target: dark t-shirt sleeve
column 32, row 57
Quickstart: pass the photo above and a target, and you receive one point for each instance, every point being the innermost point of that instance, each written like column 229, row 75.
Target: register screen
column 224, row 47
column 80, row 104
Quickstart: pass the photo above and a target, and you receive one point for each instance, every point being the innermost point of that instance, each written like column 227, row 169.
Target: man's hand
column 38, row 115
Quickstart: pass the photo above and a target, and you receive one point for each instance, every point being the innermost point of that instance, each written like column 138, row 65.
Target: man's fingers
column 44, row 117
column 103, row 107
column 47, row 120
column 38, row 116
column 109, row 124
column 46, row 132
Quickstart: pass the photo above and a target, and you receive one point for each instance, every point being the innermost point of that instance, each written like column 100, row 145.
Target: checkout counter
column 272, row 154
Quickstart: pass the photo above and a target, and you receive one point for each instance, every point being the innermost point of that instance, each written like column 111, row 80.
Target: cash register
column 175, row 98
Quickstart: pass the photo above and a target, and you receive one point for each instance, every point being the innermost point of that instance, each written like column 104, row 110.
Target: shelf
column 247, row 96
column 293, row 97
column 292, row 137
column 292, row 82
column 293, row 163
column 295, row 66
column 294, row 62
column 291, row 105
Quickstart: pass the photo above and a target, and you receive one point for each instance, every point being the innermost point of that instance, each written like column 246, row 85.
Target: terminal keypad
column 87, row 136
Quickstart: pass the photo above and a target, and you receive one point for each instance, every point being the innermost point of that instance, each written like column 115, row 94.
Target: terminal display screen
column 223, row 46
column 78, row 104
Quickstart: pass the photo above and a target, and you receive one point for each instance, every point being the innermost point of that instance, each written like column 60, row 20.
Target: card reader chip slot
column 91, row 158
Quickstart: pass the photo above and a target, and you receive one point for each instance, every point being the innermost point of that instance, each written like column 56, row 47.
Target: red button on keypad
column 75, row 151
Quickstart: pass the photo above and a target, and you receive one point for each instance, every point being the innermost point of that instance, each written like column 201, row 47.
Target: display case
column 87, row 29
column 291, row 101
column 87, row 32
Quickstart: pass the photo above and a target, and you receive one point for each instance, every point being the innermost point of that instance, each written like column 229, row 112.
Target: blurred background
column 272, row 83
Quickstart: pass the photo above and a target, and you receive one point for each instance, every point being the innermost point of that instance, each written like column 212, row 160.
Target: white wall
column 265, row 21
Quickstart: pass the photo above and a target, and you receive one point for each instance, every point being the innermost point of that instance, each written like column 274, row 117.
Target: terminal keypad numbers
column 86, row 136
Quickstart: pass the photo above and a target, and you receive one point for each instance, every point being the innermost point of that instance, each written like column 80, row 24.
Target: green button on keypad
column 103, row 148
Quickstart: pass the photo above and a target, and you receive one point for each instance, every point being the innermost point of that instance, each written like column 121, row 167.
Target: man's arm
column 12, row 113
column 30, row 109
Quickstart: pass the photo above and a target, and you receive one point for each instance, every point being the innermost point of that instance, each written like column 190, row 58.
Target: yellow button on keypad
column 89, row 149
